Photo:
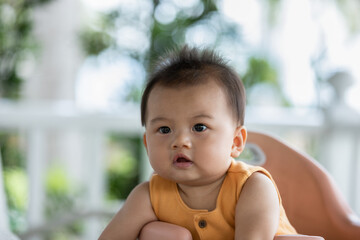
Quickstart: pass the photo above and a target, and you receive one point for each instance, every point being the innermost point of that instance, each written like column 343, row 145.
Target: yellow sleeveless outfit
column 218, row 223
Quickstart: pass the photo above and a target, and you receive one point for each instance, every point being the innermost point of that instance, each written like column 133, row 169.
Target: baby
column 193, row 112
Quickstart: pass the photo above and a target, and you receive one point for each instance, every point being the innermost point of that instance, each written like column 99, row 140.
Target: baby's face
column 190, row 133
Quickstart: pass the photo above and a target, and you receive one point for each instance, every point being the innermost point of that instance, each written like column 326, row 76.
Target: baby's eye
column 199, row 127
column 164, row 130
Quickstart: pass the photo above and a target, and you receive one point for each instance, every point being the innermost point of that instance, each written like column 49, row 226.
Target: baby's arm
column 158, row 230
column 257, row 210
column 136, row 212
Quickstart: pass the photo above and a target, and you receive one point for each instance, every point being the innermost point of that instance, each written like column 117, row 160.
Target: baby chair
column 311, row 201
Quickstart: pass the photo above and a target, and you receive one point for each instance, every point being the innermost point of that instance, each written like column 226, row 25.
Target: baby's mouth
column 182, row 161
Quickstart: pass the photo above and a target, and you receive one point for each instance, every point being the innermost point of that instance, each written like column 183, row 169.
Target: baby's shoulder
column 239, row 167
column 141, row 189
column 239, row 173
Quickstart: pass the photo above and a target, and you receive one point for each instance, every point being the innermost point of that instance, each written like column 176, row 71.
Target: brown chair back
column 312, row 202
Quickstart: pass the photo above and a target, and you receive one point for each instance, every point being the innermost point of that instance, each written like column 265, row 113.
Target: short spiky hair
column 190, row 66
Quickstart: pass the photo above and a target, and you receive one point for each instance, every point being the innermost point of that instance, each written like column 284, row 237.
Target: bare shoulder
column 259, row 191
column 257, row 210
column 259, row 181
column 141, row 189
column 135, row 213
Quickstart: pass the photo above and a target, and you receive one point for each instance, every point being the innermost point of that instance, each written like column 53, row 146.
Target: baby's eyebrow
column 157, row 119
column 203, row 116
column 163, row 119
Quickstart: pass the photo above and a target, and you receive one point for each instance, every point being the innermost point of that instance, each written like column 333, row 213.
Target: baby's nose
column 181, row 140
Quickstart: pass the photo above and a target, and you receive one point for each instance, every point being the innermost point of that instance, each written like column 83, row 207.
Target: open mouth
column 182, row 161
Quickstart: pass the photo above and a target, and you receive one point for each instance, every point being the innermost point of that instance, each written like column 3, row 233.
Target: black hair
column 189, row 66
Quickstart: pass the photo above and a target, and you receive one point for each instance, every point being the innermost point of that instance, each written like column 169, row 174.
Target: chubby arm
column 164, row 231
column 257, row 210
column 136, row 212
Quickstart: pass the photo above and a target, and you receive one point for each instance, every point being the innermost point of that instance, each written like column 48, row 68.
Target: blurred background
column 72, row 73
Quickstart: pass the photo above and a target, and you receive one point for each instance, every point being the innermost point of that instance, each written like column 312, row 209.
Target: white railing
column 35, row 120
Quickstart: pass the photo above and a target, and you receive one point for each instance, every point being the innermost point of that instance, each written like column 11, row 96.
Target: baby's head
column 190, row 67
column 193, row 111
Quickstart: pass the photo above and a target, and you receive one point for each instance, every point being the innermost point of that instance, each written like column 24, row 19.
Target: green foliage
column 165, row 36
column 259, row 71
column 119, row 186
column 133, row 93
column 16, row 41
column 272, row 13
column 15, row 180
column 122, row 172
column 16, row 189
column 60, row 198
column 96, row 38
column 94, row 42
column 160, row 36
column 57, row 182
column 350, row 11
column 10, row 151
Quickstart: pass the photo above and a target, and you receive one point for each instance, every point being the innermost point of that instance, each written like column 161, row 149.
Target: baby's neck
column 201, row 197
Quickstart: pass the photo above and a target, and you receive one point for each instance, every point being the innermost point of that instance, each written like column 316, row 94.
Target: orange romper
column 218, row 223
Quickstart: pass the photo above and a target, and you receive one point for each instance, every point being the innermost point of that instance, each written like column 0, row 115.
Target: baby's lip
column 180, row 157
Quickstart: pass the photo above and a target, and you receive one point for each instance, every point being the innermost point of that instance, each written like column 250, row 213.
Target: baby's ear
column 239, row 141
column 144, row 140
